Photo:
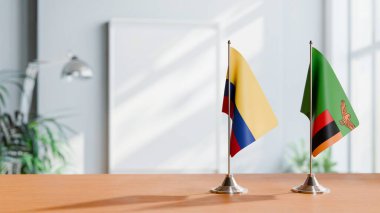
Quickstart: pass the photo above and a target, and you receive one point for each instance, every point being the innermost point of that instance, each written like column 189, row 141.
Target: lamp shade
column 76, row 68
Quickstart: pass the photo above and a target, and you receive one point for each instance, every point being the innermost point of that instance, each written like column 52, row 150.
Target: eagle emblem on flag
column 346, row 117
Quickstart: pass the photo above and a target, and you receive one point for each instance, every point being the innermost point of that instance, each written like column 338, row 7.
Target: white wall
column 13, row 41
column 273, row 35
column 352, row 53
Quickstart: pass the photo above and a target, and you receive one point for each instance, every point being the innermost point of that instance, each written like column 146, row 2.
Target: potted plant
column 29, row 146
column 298, row 160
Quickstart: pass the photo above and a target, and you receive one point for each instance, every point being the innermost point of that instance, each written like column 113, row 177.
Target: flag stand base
column 229, row 186
column 311, row 186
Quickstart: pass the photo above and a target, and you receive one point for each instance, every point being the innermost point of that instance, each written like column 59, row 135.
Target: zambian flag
column 332, row 113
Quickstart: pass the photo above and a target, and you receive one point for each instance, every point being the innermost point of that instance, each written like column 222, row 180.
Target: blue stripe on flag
column 242, row 133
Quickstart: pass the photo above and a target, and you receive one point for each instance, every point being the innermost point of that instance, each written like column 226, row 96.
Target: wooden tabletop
column 185, row 193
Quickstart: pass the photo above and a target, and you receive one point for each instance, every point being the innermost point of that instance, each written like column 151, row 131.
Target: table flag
column 332, row 114
column 251, row 113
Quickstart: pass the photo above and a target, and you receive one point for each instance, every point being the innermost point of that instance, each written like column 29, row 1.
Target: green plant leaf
column 299, row 159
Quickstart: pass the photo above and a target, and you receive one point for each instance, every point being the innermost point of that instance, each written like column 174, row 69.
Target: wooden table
column 185, row 193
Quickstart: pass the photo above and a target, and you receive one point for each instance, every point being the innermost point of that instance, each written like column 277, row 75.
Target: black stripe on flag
column 324, row 134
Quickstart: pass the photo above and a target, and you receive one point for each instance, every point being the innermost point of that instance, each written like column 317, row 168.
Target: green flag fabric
column 332, row 113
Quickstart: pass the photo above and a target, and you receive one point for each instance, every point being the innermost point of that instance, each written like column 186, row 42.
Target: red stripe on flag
column 234, row 146
column 322, row 120
column 225, row 106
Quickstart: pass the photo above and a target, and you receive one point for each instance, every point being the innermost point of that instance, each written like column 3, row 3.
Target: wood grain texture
column 184, row 193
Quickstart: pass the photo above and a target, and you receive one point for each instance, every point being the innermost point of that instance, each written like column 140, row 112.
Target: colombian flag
column 251, row 113
column 332, row 113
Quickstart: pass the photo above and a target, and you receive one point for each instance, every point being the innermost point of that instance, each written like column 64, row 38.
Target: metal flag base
column 229, row 186
column 311, row 186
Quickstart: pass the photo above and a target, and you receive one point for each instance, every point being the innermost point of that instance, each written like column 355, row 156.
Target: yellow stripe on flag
column 249, row 97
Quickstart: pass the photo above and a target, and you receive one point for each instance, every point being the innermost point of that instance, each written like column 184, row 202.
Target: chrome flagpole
column 229, row 110
column 311, row 185
column 229, row 185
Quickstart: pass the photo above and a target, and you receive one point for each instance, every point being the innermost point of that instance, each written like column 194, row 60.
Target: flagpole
column 311, row 108
column 229, row 112
column 311, row 184
column 229, row 185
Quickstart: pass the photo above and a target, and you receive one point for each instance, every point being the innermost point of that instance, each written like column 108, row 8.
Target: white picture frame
column 164, row 96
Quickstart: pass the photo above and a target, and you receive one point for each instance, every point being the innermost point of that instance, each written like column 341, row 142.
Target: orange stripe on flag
column 327, row 143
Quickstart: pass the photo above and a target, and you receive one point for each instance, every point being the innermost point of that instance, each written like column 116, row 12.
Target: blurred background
column 147, row 95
